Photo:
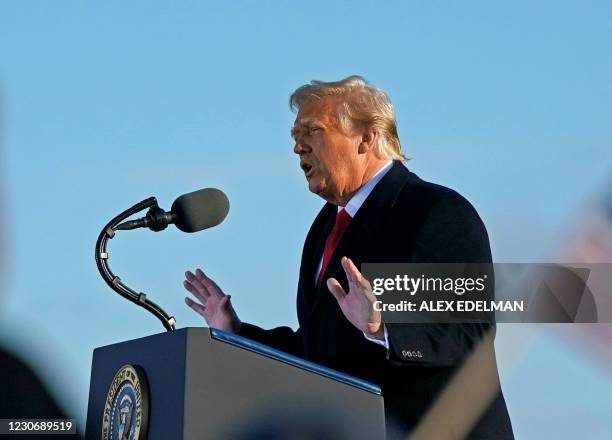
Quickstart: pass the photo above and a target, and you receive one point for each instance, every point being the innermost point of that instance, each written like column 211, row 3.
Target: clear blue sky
column 107, row 103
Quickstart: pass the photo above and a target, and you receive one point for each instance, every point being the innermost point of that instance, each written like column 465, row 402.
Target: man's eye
column 314, row 129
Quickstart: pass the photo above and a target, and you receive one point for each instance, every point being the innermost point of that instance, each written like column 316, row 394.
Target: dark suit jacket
column 404, row 219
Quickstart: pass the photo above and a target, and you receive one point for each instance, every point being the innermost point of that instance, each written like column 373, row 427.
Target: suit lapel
column 372, row 214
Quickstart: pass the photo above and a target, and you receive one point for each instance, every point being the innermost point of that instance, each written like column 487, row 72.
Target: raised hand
column 357, row 304
column 214, row 305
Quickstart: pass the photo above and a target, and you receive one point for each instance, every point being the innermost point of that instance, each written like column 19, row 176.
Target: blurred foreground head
column 23, row 395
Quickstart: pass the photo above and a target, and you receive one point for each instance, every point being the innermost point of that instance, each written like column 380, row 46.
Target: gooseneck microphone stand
column 114, row 282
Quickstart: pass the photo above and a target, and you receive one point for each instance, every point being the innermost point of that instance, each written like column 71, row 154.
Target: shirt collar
column 362, row 193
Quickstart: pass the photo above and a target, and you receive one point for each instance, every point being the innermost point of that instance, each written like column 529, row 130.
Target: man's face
column 328, row 156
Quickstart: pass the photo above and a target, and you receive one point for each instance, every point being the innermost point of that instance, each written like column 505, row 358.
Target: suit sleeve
column 280, row 338
column 452, row 232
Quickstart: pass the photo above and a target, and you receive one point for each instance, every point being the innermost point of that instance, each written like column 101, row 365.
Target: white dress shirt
column 351, row 209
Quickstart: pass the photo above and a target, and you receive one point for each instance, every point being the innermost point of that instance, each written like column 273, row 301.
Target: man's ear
column 368, row 141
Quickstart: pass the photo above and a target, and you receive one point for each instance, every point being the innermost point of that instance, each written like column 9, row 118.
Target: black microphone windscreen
column 200, row 210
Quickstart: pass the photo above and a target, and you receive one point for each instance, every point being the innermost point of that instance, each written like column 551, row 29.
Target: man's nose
column 299, row 147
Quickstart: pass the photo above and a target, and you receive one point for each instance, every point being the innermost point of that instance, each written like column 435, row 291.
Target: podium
column 200, row 383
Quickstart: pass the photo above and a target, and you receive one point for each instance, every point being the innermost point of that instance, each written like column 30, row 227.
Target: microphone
column 190, row 212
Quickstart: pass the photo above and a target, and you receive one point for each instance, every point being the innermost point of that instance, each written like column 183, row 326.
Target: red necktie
column 342, row 221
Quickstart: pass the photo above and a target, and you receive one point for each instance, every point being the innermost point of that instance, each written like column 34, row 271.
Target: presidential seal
column 126, row 411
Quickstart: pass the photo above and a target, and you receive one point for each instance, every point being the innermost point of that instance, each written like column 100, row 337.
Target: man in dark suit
column 376, row 212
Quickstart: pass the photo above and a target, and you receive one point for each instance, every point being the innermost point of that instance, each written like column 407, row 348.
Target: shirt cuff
column 384, row 343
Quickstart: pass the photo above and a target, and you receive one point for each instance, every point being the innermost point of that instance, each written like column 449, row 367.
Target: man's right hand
column 214, row 306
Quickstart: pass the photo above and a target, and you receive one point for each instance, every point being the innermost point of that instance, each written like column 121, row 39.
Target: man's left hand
column 358, row 304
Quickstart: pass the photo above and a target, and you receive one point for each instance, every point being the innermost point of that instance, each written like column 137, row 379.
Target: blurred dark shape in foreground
column 591, row 242
column 23, row 395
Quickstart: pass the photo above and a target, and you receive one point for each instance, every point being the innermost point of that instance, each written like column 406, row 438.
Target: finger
column 212, row 287
column 198, row 308
column 360, row 280
column 224, row 303
column 367, row 288
column 355, row 274
column 336, row 289
column 347, row 269
column 195, row 282
column 194, row 291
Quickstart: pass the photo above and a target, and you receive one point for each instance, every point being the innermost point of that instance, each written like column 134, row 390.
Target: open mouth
column 307, row 169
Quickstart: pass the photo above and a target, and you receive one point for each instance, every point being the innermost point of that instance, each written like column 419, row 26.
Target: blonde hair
column 361, row 104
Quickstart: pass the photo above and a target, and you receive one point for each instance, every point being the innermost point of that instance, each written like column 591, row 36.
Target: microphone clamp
column 156, row 220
